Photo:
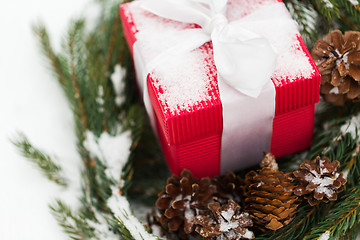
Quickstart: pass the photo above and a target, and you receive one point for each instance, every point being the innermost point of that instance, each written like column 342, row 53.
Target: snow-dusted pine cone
column 338, row 60
column 181, row 199
column 319, row 180
column 269, row 161
column 154, row 226
column 224, row 222
column 229, row 186
column 270, row 199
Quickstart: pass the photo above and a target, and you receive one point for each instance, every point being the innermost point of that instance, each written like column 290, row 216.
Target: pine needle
column 43, row 161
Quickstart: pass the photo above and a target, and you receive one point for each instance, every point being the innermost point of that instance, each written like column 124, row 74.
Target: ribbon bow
column 244, row 59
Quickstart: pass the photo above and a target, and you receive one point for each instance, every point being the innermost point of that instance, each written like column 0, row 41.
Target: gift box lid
column 192, row 109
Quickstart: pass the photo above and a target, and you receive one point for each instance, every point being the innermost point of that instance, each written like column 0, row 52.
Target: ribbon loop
column 236, row 49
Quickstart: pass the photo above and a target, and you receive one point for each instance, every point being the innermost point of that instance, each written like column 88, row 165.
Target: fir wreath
column 88, row 69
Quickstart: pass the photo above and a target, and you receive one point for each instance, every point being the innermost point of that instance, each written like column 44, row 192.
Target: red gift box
column 191, row 137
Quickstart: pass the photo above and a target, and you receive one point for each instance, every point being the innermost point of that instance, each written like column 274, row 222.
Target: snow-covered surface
column 31, row 101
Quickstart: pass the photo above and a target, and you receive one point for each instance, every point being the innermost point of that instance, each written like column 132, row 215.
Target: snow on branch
column 113, row 151
column 122, row 212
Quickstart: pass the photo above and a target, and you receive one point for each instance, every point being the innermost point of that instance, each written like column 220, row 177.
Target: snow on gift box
column 223, row 81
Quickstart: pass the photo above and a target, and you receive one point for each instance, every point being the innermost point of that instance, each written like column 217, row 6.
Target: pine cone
column 269, row 161
column 224, row 222
column 181, row 199
column 338, row 59
column 269, row 198
column 154, row 226
column 319, row 180
column 228, row 187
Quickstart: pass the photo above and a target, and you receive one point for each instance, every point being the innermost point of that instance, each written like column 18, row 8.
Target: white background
column 31, row 101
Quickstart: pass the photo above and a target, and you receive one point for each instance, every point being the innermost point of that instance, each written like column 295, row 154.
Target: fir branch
column 61, row 69
column 75, row 225
column 73, row 51
column 145, row 159
column 41, row 33
column 350, row 14
column 94, row 110
column 71, row 68
column 43, row 161
column 342, row 218
column 115, row 33
column 352, row 234
column 101, row 186
column 125, row 233
column 328, row 8
column 327, row 14
column 306, row 16
column 338, row 143
column 102, row 48
column 127, row 223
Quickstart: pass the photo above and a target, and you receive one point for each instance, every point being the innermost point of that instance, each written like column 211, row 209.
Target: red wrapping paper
column 192, row 139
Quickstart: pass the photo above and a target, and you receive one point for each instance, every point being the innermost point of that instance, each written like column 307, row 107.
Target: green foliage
column 327, row 8
column 317, row 17
column 350, row 15
column 146, row 159
column 43, row 161
column 83, row 68
column 74, row 224
column 341, row 218
column 306, row 17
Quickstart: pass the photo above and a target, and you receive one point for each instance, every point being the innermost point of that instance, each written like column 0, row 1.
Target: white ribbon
column 245, row 61
column 237, row 47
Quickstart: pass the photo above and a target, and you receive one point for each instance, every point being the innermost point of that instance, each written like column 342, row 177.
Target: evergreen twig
column 43, row 161
column 328, row 8
column 306, row 17
column 317, row 17
column 342, row 218
column 86, row 63
column 75, row 225
column 55, row 62
column 75, row 66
